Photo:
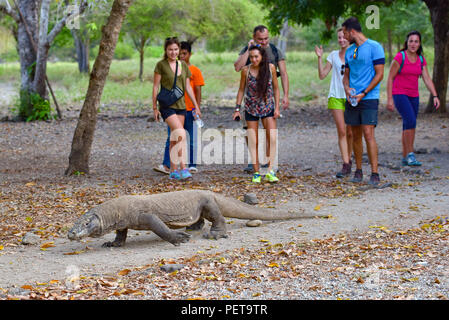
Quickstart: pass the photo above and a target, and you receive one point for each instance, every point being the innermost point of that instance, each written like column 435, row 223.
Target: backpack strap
column 276, row 57
column 275, row 52
column 403, row 60
column 402, row 63
column 176, row 74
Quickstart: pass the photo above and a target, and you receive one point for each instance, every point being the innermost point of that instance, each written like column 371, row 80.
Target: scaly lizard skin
column 163, row 212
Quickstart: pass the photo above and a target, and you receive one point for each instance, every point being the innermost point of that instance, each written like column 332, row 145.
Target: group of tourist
column 357, row 71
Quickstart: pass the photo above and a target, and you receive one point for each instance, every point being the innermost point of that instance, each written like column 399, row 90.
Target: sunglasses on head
column 171, row 38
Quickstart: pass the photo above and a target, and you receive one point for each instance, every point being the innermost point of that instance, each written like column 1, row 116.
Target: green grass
column 123, row 87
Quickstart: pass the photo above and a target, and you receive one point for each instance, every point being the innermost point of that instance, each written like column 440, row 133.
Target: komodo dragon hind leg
column 120, row 238
column 211, row 212
column 196, row 226
column 155, row 224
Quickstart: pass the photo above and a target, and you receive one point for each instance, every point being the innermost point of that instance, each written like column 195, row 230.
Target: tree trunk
column 82, row 51
column 39, row 84
column 84, row 132
column 191, row 39
column 85, row 65
column 27, row 55
column 439, row 14
column 282, row 42
column 141, row 56
column 390, row 46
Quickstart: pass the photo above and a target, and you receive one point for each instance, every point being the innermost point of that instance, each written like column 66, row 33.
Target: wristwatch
column 237, row 108
column 364, row 92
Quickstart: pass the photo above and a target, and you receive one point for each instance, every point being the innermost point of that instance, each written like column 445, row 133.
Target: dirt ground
column 35, row 196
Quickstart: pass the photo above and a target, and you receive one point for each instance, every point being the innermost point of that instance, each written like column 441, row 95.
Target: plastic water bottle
column 352, row 99
column 197, row 119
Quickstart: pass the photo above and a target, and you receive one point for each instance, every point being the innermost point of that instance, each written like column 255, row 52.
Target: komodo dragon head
column 88, row 225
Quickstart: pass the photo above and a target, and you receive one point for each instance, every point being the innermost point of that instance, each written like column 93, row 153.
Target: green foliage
column 303, row 12
column 219, row 19
column 400, row 19
column 123, row 51
column 8, row 50
column 32, row 107
column 154, row 52
column 148, row 19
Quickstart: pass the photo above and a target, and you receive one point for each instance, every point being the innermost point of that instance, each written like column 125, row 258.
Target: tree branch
column 6, row 8
column 61, row 23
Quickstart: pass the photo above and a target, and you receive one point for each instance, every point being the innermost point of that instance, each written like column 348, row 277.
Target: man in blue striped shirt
column 364, row 70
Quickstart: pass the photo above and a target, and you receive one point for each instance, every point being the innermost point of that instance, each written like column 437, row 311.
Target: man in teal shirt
column 364, row 70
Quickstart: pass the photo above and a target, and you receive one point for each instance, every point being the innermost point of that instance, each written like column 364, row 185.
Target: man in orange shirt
column 196, row 81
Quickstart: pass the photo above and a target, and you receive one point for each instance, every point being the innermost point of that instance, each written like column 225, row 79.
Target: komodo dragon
column 165, row 211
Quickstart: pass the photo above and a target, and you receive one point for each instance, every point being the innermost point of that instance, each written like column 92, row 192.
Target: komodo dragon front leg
column 120, row 238
column 155, row 224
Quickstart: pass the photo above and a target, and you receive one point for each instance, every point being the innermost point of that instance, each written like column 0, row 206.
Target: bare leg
column 341, row 131
column 349, row 141
column 371, row 146
column 408, row 140
column 357, row 144
column 271, row 135
column 253, row 143
column 177, row 141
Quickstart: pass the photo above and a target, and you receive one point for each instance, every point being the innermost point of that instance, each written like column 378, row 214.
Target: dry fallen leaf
column 124, row 272
column 46, row 245
column 273, row 265
column 73, row 253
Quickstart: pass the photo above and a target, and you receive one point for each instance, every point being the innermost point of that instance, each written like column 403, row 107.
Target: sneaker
column 358, row 176
column 404, row 161
column 271, row 177
column 185, row 174
column 374, row 179
column 175, row 175
column 193, row 170
column 411, row 160
column 257, row 177
column 345, row 171
column 249, row 169
column 161, row 168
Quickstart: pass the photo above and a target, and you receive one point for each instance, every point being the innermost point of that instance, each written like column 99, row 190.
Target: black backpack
column 276, row 57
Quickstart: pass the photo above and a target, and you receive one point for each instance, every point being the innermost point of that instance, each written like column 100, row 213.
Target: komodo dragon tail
column 232, row 208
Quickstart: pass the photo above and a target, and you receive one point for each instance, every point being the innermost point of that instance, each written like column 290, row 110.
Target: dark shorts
column 167, row 112
column 250, row 117
column 364, row 113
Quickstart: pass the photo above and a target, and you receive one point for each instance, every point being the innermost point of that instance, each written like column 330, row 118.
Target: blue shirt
column 361, row 68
